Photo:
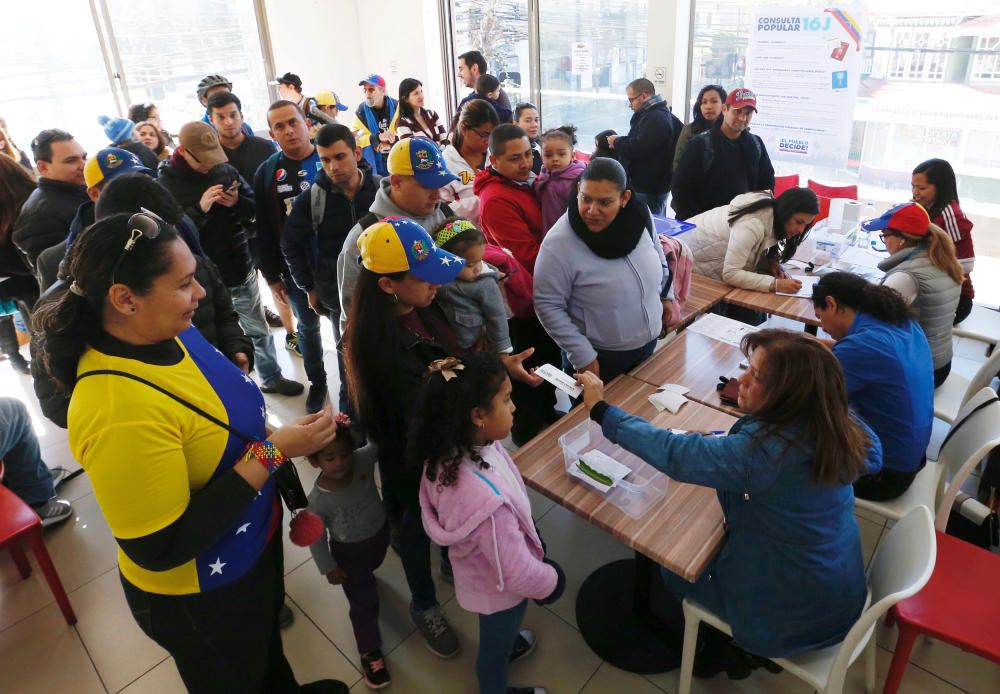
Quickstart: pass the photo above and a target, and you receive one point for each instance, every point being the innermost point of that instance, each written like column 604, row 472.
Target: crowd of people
column 450, row 261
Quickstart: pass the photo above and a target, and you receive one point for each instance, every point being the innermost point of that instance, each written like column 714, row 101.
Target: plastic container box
column 647, row 484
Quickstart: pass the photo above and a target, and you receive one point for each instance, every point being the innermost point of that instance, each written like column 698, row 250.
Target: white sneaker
column 54, row 511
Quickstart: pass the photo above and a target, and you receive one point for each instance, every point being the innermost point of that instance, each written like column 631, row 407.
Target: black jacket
column 312, row 257
column 215, row 318
column 709, row 176
column 46, row 215
column 647, row 152
column 222, row 230
column 146, row 155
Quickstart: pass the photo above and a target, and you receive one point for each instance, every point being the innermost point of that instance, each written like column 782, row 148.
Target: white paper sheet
column 721, row 328
column 806, row 290
column 559, row 379
column 667, row 400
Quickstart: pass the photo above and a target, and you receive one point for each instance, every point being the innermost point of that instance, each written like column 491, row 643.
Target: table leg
column 629, row 619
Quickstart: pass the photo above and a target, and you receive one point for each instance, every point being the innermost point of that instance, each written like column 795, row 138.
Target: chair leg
column 901, row 656
column 38, row 548
column 871, row 650
column 687, row 652
column 20, row 561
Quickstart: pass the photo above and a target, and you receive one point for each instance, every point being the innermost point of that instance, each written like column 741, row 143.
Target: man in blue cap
column 373, row 123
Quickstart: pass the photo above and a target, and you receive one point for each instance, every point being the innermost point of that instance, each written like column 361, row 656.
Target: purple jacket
column 553, row 188
column 485, row 521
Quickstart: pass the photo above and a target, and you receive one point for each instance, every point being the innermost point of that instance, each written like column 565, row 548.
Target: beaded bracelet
column 267, row 453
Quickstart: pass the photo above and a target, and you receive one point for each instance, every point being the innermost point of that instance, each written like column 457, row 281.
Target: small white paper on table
column 806, row 290
column 675, row 388
column 721, row 328
column 559, row 379
column 861, row 256
column 668, row 400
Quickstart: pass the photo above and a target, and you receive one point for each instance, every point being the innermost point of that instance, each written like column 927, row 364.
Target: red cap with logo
column 742, row 97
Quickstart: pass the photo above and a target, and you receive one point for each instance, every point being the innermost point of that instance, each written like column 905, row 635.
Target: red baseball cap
column 742, row 97
column 908, row 218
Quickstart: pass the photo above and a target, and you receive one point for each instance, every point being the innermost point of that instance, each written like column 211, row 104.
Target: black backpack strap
column 958, row 425
column 448, row 212
column 176, row 398
column 368, row 220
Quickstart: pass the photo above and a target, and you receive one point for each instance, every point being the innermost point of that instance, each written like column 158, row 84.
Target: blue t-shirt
column 890, row 382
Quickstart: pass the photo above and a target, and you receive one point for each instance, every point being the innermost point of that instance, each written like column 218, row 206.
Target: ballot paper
column 806, row 290
column 559, row 379
column 603, row 464
column 667, row 400
column 721, row 328
column 863, row 257
column 675, row 388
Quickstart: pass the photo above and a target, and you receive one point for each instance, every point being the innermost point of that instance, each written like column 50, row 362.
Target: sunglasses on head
column 143, row 224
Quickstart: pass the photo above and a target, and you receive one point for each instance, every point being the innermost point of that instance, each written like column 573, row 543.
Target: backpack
column 317, row 204
column 709, row 155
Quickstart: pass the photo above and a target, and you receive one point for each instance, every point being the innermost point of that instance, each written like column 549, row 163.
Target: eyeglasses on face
column 143, row 224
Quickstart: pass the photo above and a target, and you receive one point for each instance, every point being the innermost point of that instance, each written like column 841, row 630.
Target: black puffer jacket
column 215, row 318
column 647, row 152
column 222, row 229
column 46, row 215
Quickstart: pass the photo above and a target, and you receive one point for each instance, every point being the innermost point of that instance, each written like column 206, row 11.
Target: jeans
column 614, row 364
column 310, row 342
column 963, row 310
column 25, row 473
column 330, row 303
column 359, row 560
column 657, row 203
column 225, row 640
column 248, row 306
column 415, row 554
column 885, row 484
column 497, row 634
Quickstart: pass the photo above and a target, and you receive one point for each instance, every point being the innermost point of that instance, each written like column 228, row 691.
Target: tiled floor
column 106, row 652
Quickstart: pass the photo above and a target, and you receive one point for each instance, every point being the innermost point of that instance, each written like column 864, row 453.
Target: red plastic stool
column 18, row 523
column 958, row 606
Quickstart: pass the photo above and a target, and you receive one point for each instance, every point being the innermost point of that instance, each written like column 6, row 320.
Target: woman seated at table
column 923, row 268
column 790, row 576
column 888, row 371
column 602, row 285
column 744, row 243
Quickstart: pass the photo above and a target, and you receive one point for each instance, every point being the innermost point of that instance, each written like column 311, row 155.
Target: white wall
column 332, row 44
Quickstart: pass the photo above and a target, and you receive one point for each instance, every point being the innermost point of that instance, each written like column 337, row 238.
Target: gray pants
column 250, row 309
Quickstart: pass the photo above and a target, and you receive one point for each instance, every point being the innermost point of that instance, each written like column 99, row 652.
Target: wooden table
column 694, row 361
column 794, row 307
column 704, row 294
column 619, row 605
column 682, row 532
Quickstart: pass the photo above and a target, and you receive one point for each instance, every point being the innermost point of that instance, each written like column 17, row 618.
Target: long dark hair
column 804, row 387
column 372, row 346
column 699, row 121
column 474, row 114
column 442, row 433
column 939, row 174
column 16, row 185
column 858, row 294
column 792, row 201
column 406, row 87
column 140, row 112
column 65, row 325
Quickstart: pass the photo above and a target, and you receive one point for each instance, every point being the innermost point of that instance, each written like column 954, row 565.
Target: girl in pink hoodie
column 560, row 172
column 473, row 501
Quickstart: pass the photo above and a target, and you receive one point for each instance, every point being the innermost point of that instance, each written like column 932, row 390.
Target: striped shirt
column 410, row 127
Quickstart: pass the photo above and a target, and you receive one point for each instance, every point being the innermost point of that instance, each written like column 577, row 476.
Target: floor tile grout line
column 86, row 650
column 158, row 664
column 325, row 636
column 592, row 675
column 52, row 597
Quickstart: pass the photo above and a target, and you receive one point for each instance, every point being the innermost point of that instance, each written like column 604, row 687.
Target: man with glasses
column 221, row 205
column 647, row 152
column 725, row 161
column 47, row 213
column 373, row 123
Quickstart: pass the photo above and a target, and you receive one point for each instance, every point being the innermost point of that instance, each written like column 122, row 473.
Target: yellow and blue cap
column 420, row 158
column 398, row 244
column 329, row 98
column 110, row 162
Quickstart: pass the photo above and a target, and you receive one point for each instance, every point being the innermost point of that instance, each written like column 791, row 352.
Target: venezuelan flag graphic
column 850, row 26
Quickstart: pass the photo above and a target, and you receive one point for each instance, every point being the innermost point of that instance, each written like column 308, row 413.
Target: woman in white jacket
column 466, row 156
column 744, row 242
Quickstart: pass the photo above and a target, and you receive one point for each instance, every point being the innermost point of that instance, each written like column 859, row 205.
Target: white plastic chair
column 977, row 435
column 983, row 325
column 901, row 567
column 956, row 390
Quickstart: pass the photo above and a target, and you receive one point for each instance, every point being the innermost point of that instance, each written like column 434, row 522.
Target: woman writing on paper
column 790, row 574
column 743, row 243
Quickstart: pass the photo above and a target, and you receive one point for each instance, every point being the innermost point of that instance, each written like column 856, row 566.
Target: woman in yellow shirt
column 172, row 436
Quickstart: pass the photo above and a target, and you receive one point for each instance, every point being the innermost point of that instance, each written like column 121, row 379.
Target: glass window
column 165, row 55
column 590, row 49
column 56, row 77
column 986, row 64
column 499, row 30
